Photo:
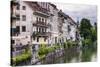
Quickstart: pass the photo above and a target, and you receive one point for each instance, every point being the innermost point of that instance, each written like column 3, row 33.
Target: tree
column 93, row 34
column 88, row 32
column 85, row 28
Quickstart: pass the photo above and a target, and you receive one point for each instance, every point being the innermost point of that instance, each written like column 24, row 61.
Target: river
column 71, row 55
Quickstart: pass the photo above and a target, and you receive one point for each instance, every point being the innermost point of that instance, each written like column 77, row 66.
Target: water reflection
column 72, row 55
column 87, row 54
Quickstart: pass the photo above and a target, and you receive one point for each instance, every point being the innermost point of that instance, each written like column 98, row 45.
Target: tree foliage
column 88, row 32
column 85, row 28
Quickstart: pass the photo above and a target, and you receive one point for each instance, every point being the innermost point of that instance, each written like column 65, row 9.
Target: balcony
column 41, row 24
column 14, row 32
column 41, row 12
column 13, row 17
column 41, row 34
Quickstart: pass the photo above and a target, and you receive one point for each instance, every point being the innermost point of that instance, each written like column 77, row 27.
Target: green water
column 74, row 56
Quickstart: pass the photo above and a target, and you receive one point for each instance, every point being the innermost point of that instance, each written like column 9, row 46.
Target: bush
column 72, row 43
column 69, row 44
column 22, row 57
column 65, row 44
column 42, row 51
column 41, row 56
column 50, row 49
column 87, row 42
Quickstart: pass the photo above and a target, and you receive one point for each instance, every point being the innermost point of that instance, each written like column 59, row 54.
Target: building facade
column 36, row 23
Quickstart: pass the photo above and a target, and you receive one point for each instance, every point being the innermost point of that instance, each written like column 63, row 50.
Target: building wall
column 35, row 16
column 54, row 21
column 65, row 30
column 24, row 37
column 72, row 33
column 28, row 23
column 54, row 25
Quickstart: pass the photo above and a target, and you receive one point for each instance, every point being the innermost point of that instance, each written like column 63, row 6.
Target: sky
column 79, row 11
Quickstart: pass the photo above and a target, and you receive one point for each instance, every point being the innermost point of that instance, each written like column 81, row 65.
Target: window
column 37, row 19
column 42, row 20
column 39, row 29
column 23, row 17
column 18, row 17
column 44, row 39
column 37, row 39
column 17, row 29
column 24, row 7
column 33, row 38
column 12, row 41
column 23, row 28
column 45, row 21
column 42, row 29
column 45, row 30
column 60, row 40
column 69, row 29
column 18, row 7
column 55, row 39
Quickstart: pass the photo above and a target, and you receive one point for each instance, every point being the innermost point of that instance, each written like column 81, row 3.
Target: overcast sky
column 78, row 11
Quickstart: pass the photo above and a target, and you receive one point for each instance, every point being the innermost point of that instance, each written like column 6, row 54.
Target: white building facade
column 39, row 23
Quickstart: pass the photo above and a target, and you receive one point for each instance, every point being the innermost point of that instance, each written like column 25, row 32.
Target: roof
column 53, row 5
column 66, row 16
column 72, row 20
column 60, row 13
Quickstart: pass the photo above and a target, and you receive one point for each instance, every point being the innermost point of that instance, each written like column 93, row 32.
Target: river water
column 71, row 55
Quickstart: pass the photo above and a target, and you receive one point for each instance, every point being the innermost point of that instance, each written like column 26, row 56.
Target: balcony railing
column 41, row 24
column 13, row 17
column 41, row 11
column 42, row 34
column 14, row 32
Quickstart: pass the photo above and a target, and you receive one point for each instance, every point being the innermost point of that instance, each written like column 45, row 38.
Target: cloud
column 79, row 11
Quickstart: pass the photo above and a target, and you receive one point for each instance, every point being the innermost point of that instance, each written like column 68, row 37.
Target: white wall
column 24, row 37
column 28, row 23
column 54, row 23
